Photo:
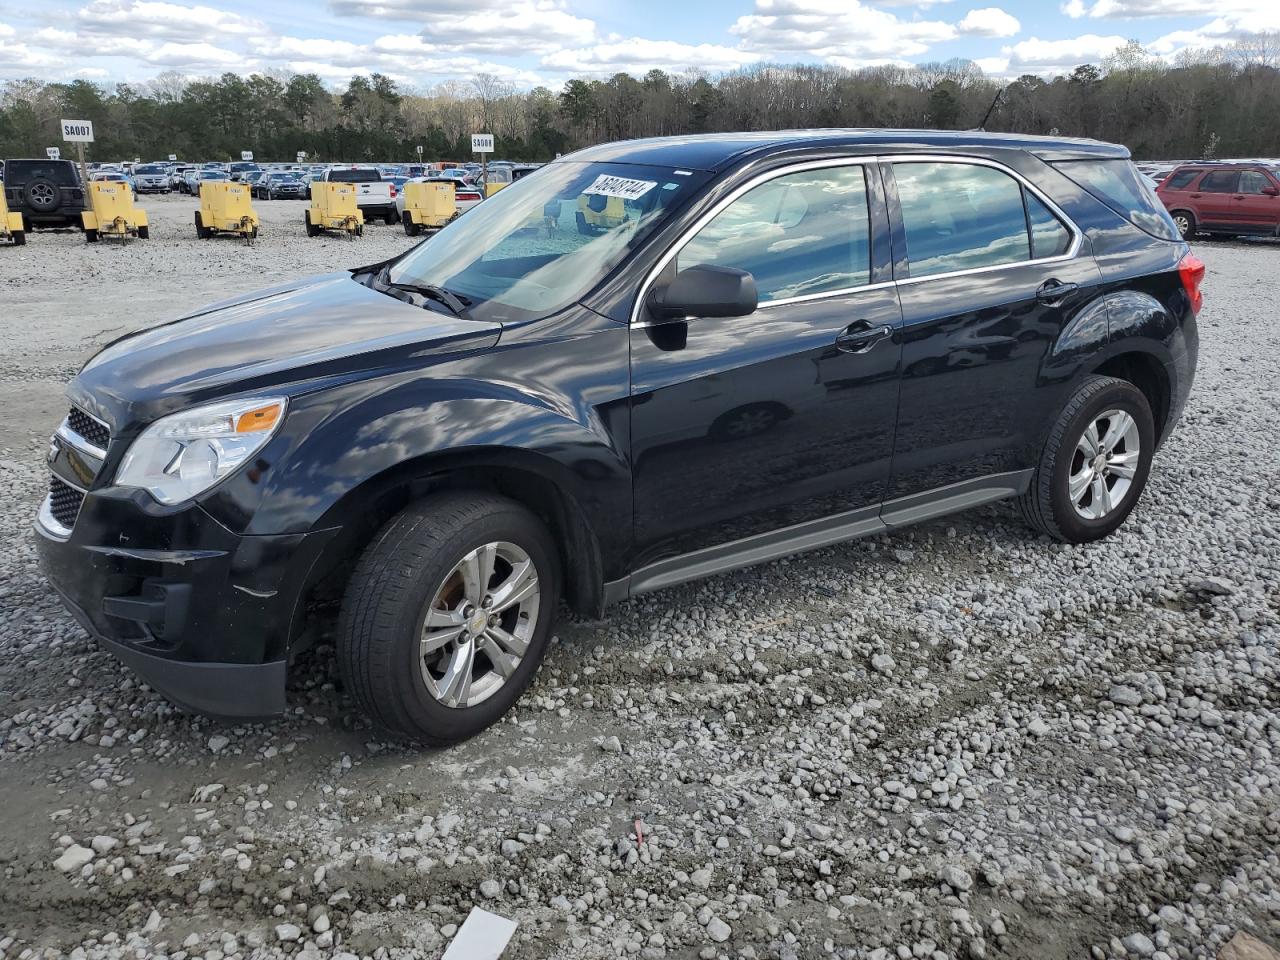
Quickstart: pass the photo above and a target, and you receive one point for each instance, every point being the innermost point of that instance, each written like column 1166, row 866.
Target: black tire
column 19, row 238
column 42, row 195
column 312, row 230
column 387, row 600
column 1047, row 503
column 389, row 218
column 201, row 232
column 410, row 228
column 90, row 236
column 1185, row 221
column 144, row 233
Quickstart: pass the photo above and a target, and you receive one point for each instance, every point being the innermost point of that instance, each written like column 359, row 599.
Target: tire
column 1185, row 221
column 201, row 232
column 1048, row 505
column 19, row 238
column 144, row 233
column 90, row 236
column 410, row 228
column 312, row 231
column 412, row 567
column 42, row 195
column 389, row 218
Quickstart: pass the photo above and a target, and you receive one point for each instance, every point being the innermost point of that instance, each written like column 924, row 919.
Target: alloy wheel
column 1104, row 464
column 479, row 624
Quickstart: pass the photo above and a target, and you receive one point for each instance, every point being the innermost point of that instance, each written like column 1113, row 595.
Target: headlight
column 184, row 454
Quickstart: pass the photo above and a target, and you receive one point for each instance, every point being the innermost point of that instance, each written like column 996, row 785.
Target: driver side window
column 801, row 233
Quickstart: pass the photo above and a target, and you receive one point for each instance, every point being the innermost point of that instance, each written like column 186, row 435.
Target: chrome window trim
column 1077, row 235
column 683, row 240
column 73, row 439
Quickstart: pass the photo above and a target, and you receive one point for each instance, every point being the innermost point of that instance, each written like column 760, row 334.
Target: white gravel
column 1002, row 747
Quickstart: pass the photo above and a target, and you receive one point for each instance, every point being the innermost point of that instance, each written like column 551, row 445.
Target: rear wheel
column 410, row 228
column 312, row 229
column 1095, row 463
column 389, row 218
column 1185, row 221
column 447, row 616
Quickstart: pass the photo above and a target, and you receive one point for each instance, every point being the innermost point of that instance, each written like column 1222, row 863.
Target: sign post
column 53, row 152
column 246, row 155
column 173, row 157
column 482, row 143
column 79, row 132
column 302, row 155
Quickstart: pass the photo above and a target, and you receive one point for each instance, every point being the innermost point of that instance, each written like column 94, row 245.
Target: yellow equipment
column 491, row 188
column 597, row 212
column 333, row 207
column 11, row 227
column 428, row 205
column 111, row 212
column 226, row 207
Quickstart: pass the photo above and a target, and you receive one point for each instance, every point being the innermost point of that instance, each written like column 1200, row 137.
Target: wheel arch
column 1146, row 372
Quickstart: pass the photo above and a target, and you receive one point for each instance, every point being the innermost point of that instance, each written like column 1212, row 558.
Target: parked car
column 115, row 178
column 150, row 178
column 280, row 186
column 46, row 192
column 194, row 178
column 242, row 167
column 465, row 196
column 513, row 412
column 1223, row 199
column 375, row 197
column 176, row 175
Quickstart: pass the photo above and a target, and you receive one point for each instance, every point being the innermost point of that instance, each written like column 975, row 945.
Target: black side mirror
column 704, row 290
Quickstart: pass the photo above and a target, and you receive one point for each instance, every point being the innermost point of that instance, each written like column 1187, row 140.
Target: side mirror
column 1271, row 191
column 704, row 290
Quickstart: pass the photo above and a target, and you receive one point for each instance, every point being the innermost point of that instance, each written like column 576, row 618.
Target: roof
column 715, row 151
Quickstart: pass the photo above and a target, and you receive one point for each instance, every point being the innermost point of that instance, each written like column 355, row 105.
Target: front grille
column 92, row 430
column 64, row 502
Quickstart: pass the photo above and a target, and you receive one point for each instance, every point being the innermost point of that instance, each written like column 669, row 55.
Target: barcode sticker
column 607, row 186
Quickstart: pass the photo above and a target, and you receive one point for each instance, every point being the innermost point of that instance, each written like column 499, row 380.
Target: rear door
column 1214, row 197
column 990, row 274
column 1257, row 211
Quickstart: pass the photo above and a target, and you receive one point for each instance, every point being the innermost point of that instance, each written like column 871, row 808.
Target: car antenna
column 982, row 127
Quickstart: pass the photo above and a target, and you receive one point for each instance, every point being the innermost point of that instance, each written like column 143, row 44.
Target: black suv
column 45, row 192
column 766, row 343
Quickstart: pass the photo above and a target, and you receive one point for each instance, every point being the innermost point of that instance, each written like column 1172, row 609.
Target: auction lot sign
column 77, row 131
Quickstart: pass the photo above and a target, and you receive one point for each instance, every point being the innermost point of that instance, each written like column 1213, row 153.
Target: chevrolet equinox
column 646, row 362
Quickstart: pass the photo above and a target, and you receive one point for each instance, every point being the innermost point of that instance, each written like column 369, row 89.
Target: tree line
column 1219, row 102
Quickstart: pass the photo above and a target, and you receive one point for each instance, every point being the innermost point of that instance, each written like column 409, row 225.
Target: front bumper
column 203, row 615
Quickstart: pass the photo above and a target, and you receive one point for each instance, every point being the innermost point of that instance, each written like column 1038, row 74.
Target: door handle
column 1196, row 196
column 860, row 336
column 1055, row 291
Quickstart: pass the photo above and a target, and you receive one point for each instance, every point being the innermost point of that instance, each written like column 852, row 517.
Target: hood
column 316, row 329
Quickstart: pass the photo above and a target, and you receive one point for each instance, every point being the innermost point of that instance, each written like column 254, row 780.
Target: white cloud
column 989, row 22
column 1057, row 56
column 152, row 18
column 847, row 29
column 1136, row 9
column 6, row 30
column 636, row 55
column 496, row 27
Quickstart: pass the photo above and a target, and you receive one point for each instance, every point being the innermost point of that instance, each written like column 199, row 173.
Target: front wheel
column 410, row 228
column 1095, row 463
column 447, row 616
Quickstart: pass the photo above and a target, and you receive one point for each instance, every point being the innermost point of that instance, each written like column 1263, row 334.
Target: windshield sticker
column 607, row 186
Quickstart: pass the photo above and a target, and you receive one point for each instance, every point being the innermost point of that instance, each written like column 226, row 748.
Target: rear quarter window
column 1118, row 184
column 1180, row 180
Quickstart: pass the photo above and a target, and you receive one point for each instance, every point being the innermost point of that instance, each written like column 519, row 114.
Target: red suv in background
column 1226, row 199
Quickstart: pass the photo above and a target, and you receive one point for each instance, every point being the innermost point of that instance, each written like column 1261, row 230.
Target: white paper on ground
column 482, row 936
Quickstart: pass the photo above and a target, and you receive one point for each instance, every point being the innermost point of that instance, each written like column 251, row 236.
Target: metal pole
column 484, row 174
column 84, row 171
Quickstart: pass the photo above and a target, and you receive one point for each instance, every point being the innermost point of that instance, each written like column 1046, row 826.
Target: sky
column 422, row 43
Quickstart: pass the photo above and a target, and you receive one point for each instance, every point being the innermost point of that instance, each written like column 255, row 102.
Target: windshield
column 543, row 242
column 148, row 169
column 354, row 176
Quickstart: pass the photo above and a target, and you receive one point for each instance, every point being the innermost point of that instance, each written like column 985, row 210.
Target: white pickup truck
column 375, row 197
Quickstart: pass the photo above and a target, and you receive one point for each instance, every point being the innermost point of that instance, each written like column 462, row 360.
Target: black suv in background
column 46, row 192
column 765, row 343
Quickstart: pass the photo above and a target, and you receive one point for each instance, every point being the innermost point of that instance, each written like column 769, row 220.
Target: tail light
column 1191, row 270
column 393, row 191
column 467, row 196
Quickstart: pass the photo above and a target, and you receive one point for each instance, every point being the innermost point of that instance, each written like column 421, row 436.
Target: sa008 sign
column 77, row 131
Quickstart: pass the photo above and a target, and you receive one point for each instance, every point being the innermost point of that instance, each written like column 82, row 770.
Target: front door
column 994, row 274
column 1258, row 211
column 746, row 425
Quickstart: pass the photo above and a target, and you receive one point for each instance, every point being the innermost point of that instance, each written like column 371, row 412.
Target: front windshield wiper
column 451, row 300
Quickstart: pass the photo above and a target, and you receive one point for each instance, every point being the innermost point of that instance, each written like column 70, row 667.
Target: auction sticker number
column 77, row 131
column 608, row 186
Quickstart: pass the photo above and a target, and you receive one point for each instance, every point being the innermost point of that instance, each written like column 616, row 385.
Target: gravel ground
column 957, row 742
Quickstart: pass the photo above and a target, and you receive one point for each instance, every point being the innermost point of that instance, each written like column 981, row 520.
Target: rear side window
column 1180, row 180
column 61, row 172
column 1118, row 184
column 1220, row 181
column 802, row 233
column 959, row 216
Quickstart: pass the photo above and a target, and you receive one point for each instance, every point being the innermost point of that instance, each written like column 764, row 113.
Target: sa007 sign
column 482, row 143
column 77, row 131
